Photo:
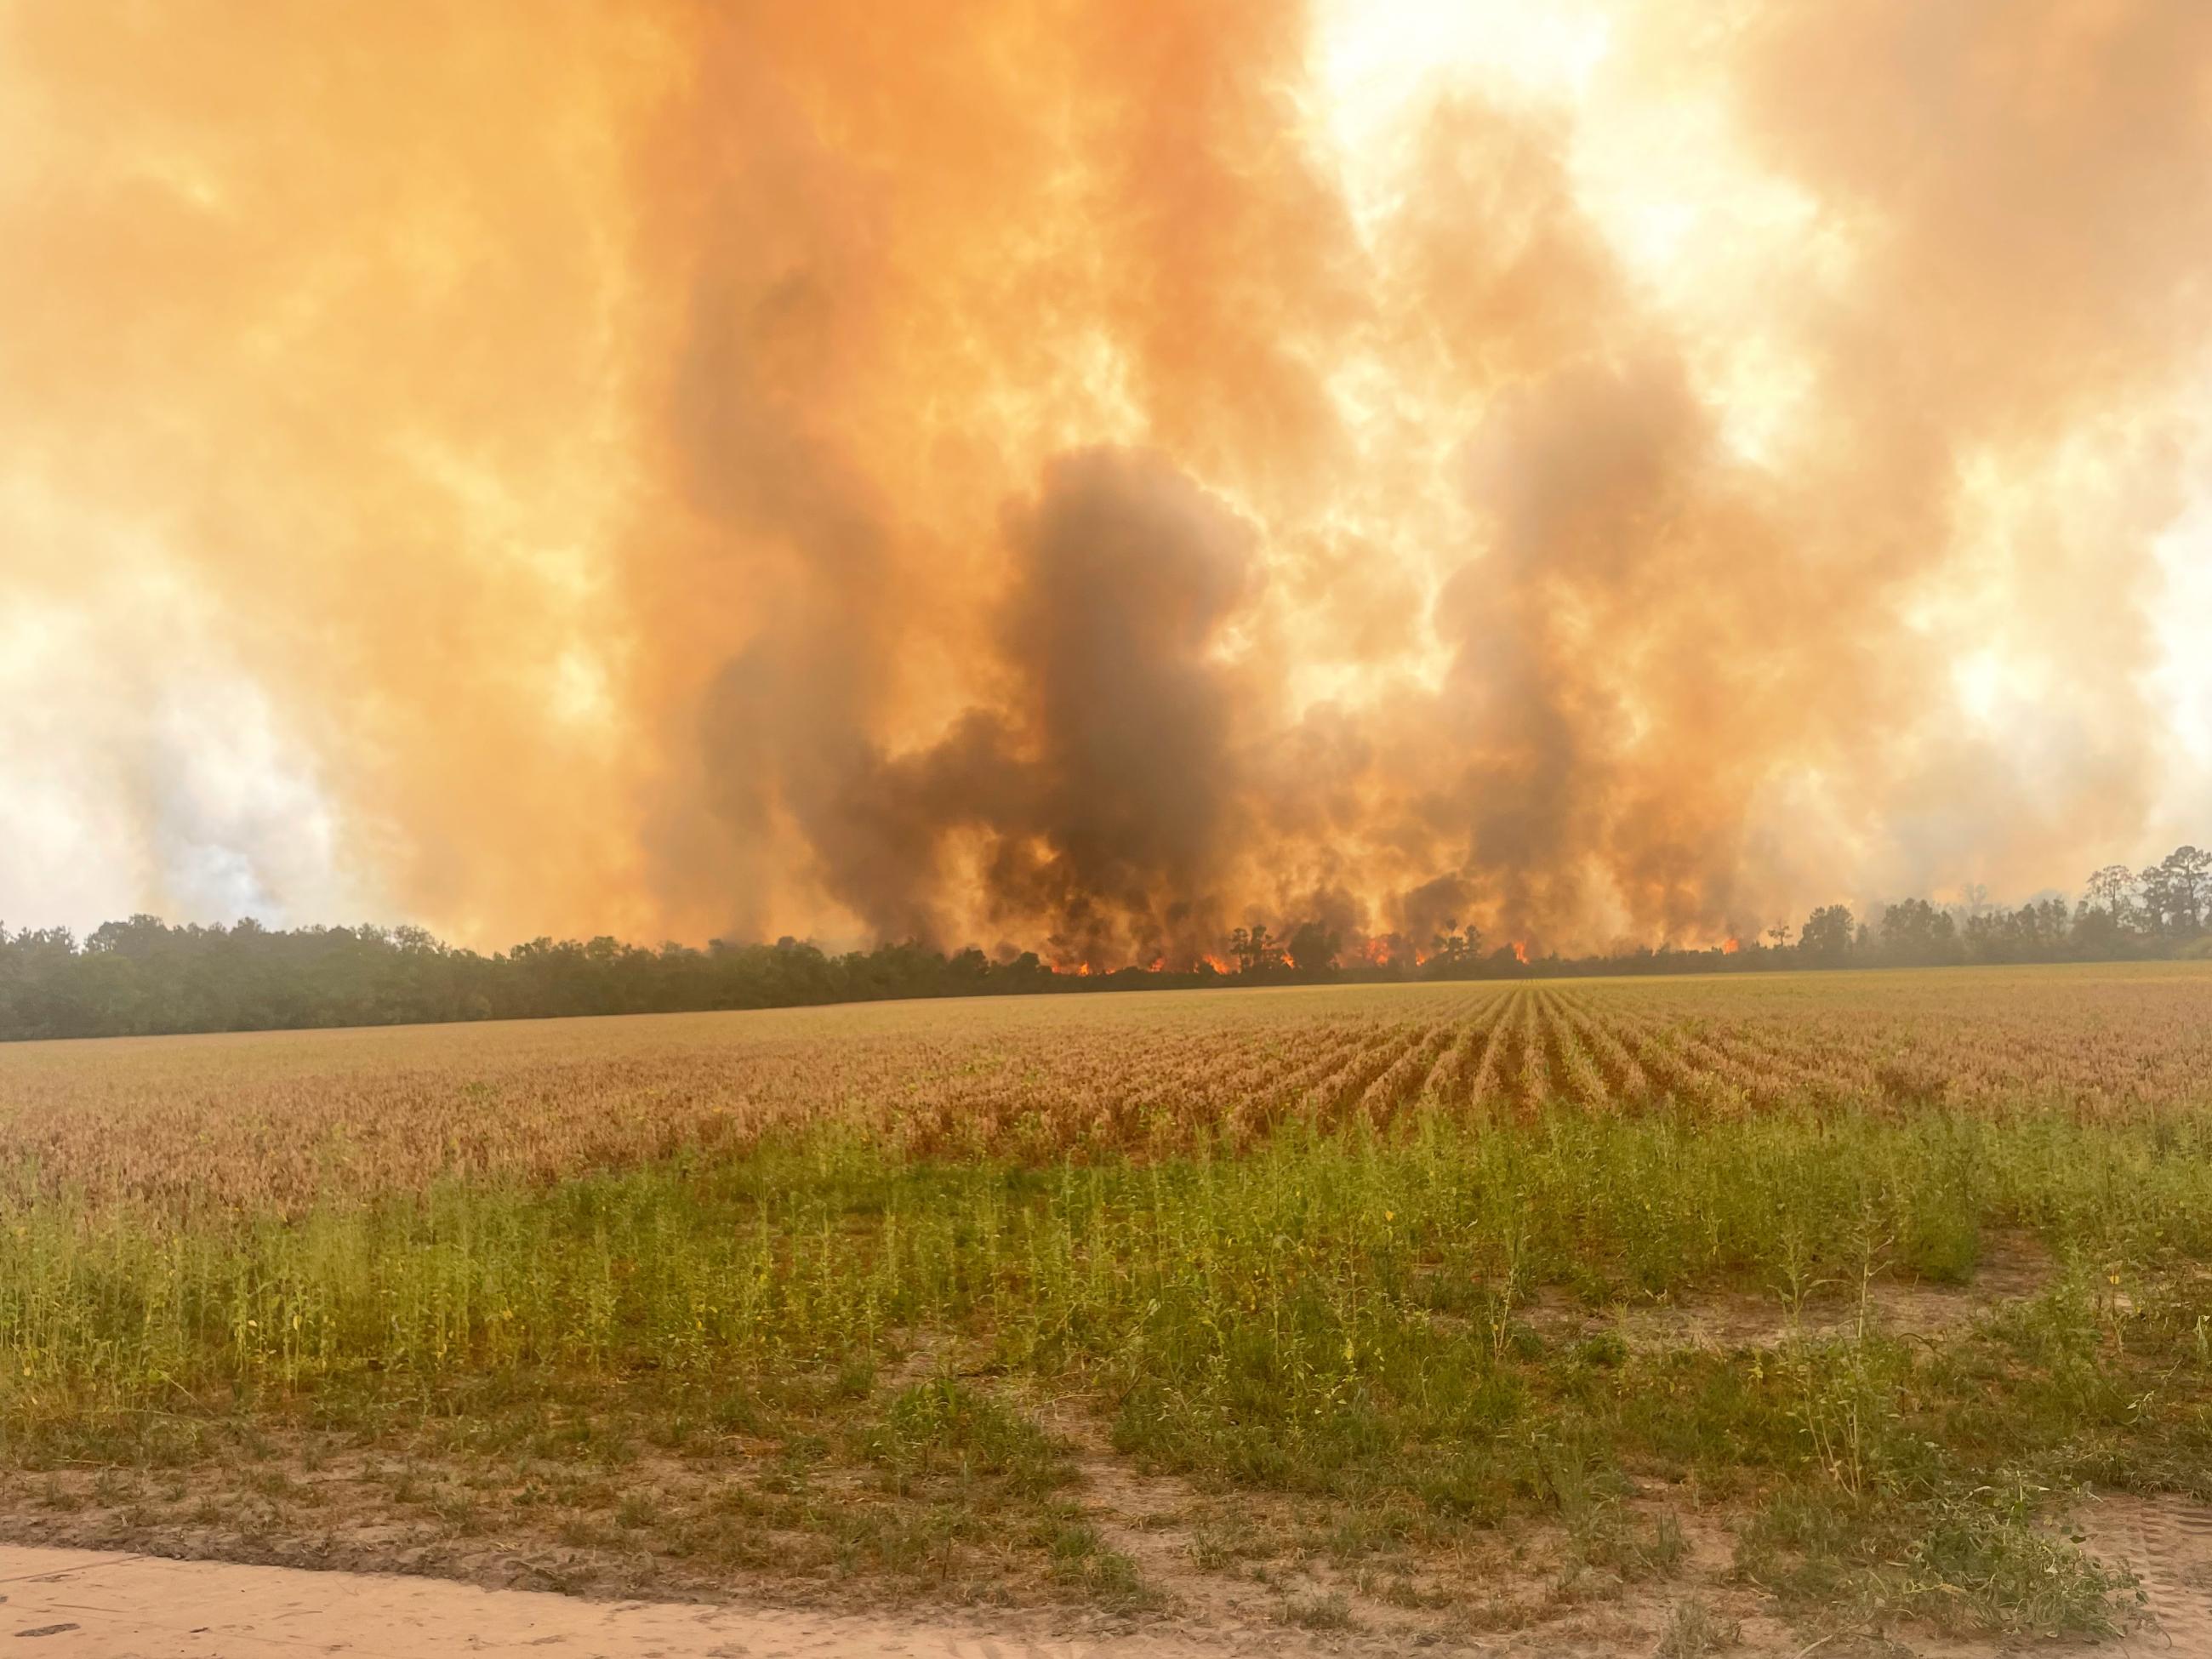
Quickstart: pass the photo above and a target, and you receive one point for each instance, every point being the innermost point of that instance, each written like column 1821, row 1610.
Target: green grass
column 821, row 1248
column 1343, row 1318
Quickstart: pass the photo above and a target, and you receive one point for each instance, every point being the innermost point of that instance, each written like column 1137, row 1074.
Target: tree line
column 144, row 977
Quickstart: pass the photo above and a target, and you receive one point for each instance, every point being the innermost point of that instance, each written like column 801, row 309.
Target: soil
column 2014, row 1271
column 2167, row 1543
column 75, row 1604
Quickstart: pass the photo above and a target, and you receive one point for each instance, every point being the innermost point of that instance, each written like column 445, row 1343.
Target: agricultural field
column 1635, row 1315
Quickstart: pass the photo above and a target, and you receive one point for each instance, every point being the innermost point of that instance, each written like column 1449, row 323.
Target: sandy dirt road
column 83, row 1604
column 92, row 1604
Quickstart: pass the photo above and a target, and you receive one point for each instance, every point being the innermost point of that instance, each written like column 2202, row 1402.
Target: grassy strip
column 812, row 1248
column 1337, row 1317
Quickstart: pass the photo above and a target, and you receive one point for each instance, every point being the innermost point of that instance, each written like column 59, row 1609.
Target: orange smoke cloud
column 1083, row 479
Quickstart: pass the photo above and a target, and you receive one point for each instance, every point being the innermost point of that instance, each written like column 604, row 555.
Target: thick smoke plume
column 1078, row 478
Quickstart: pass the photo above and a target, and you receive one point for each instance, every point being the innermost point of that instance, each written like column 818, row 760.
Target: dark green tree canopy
column 140, row 976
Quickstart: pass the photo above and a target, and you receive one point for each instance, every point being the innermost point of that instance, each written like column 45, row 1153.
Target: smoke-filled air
column 1082, row 477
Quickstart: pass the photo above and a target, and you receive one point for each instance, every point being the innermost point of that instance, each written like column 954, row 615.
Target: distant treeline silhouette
column 144, row 977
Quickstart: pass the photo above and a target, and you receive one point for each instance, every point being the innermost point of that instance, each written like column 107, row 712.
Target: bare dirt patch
column 2167, row 1543
column 72, row 1604
column 2015, row 1271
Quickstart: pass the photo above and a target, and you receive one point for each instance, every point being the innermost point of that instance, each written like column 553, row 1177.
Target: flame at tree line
column 1080, row 481
column 142, row 976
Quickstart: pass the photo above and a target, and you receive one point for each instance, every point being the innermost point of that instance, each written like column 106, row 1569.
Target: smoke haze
column 1085, row 476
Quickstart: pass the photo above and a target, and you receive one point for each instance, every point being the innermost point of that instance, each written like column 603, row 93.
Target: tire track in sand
column 2167, row 1543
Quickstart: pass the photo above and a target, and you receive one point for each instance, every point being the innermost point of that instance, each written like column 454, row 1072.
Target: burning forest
column 1096, row 477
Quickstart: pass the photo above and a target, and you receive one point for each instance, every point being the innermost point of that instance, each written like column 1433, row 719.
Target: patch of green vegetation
column 1979, row 1561
column 945, row 1430
column 1694, row 1629
column 1348, row 1318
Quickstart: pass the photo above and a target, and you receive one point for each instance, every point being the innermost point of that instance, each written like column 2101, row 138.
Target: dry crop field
column 1640, row 1313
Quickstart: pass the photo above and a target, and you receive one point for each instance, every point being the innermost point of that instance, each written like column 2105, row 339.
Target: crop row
column 284, row 1121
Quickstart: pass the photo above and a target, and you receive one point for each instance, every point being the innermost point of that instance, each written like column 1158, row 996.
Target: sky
column 1081, row 475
